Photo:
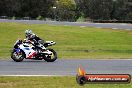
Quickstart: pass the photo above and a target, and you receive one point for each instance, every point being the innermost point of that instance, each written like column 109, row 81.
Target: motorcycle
column 27, row 50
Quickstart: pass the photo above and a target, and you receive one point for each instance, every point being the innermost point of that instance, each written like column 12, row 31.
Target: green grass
column 51, row 82
column 72, row 42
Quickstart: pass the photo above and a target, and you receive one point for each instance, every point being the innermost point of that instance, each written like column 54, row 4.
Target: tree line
column 68, row 10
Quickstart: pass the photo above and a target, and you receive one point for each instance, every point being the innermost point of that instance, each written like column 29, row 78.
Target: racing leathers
column 37, row 42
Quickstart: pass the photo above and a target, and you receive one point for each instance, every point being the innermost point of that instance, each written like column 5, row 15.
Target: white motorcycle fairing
column 27, row 48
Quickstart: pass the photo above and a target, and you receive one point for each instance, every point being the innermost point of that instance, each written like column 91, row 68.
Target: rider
column 36, row 40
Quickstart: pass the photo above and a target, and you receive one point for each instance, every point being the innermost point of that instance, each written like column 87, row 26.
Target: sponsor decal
column 83, row 78
column 31, row 55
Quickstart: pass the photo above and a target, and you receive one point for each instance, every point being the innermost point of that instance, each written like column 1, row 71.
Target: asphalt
column 65, row 67
column 81, row 24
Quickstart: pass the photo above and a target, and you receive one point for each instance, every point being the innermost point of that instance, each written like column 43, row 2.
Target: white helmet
column 28, row 32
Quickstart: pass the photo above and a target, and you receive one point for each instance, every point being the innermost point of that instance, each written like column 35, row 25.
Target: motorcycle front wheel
column 17, row 57
column 52, row 57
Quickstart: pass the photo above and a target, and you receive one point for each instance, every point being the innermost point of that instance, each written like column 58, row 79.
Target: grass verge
column 72, row 42
column 51, row 82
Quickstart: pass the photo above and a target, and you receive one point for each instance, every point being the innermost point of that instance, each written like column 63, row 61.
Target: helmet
column 28, row 32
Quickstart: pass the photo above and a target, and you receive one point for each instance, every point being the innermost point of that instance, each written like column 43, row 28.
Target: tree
column 5, row 7
column 22, row 8
column 106, row 9
column 68, row 10
column 65, row 10
column 129, row 10
column 96, row 9
column 121, row 10
column 34, row 8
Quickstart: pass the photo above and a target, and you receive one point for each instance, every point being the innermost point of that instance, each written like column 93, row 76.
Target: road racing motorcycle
column 27, row 50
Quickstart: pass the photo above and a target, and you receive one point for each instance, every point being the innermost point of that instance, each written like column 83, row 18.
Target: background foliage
column 68, row 10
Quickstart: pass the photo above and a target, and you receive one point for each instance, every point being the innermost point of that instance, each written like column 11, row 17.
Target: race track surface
column 81, row 24
column 64, row 67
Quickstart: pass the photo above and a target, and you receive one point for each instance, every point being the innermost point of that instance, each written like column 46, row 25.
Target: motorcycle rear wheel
column 51, row 58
